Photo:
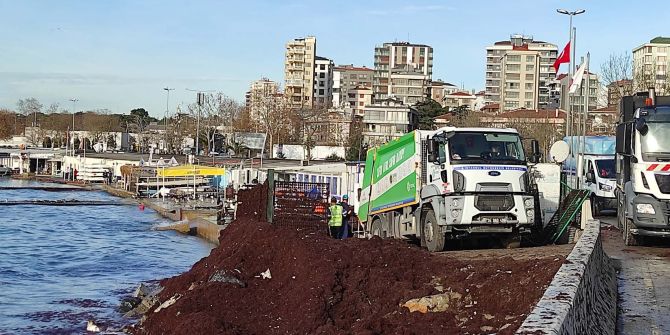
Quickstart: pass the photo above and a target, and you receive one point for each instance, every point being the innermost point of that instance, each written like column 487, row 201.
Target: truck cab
column 643, row 167
column 600, row 179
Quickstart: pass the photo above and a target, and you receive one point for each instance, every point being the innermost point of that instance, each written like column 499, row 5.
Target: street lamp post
column 74, row 104
column 571, row 70
column 167, row 111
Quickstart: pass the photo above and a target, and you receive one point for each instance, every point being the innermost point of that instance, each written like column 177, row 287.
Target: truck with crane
column 450, row 183
column 643, row 167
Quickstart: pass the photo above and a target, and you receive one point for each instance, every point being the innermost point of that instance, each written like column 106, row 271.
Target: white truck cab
column 600, row 179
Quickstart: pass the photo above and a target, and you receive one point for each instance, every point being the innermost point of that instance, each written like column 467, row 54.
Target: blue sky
column 119, row 54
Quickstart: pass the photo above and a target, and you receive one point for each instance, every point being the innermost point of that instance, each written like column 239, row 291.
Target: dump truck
column 643, row 167
column 450, row 183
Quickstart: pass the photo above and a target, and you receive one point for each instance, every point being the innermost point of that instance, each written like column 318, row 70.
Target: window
column 360, row 103
column 530, row 67
column 530, row 59
column 648, row 50
column 528, row 104
column 530, row 76
column 321, row 92
column 529, row 95
column 661, row 59
column 322, row 75
column 322, row 66
column 321, row 83
column 514, row 58
column 661, row 49
column 647, row 59
column 512, row 95
column 513, row 67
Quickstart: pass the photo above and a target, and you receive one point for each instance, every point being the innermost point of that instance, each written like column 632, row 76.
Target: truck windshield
column 606, row 168
column 485, row 148
column 656, row 142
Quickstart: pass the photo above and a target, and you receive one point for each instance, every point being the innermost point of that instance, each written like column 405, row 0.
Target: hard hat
column 345, row 197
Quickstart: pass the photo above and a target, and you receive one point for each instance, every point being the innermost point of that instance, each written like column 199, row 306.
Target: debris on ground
column 325, row 286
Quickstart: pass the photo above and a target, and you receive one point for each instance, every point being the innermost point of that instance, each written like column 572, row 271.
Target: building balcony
column 295, row 68
column 296, row 50
column 295, row 59
column 294, row 82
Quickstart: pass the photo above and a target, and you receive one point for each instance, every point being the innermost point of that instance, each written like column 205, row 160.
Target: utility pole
column 167, row 112
column 200, row 100
column 74, row 110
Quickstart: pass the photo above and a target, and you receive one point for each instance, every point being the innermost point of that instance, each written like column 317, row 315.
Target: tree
column 356, row 149
column 463, row 116
column 617, row 72
column 428, row 110
column 30, row 106
column 312, row 121
column 7, row 119
column 111, row 141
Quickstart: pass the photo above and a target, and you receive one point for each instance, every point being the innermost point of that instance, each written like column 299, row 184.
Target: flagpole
column 586, row 105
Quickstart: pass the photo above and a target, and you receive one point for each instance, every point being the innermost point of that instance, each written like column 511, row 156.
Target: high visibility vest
column 335, row 216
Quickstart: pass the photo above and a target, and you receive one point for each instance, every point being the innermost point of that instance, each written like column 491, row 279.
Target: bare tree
column 30, row 106
column 617, row 74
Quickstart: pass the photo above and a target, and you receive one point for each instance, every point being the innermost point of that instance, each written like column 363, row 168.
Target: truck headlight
column 455, row 213
column 528, row 203
column 605, row 187
column 455, row 203
column 645, row 209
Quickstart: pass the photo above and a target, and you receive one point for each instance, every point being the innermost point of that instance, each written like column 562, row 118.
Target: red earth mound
column 356, row 286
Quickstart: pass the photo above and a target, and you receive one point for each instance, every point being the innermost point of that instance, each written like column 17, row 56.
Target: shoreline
column 190, row 222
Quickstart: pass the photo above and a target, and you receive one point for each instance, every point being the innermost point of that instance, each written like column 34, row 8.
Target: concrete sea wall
column 581, row 298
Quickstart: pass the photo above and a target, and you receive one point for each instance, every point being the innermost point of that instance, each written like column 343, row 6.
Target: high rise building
column 650, row 65
column 299, row 67
column 323, row 81
column 347, row 77
column 408, row 62
column 518, row 73
column 261, row 93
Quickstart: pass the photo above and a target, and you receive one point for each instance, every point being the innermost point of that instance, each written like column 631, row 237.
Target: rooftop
column 660, row 40
column 352, row 68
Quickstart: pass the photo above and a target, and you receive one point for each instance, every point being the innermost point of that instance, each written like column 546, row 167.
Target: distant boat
column 5, row 171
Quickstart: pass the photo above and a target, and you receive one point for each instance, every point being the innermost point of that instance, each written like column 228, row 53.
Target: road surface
column 643, row 280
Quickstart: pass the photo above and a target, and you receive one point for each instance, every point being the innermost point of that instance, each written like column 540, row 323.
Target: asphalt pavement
column 643, row 280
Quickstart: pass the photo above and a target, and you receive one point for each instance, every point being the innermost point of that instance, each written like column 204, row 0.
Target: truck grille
column 494, row 187
column 663, row 181
column 494, row 202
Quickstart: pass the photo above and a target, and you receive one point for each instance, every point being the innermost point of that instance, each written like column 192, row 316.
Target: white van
column 599, row 178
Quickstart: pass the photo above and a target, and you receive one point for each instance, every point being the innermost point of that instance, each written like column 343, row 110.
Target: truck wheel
column 431, row 232
column 376, row 228
column 628, row 238
column 595, row 209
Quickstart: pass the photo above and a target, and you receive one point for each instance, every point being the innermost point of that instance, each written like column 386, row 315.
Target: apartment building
column 346, row 77
column 578, row 99
column 398, row 58
column 650, row 65
column 460, row 99
column 618, row 89
column 261, row 93
column 323, row 81
column 299, row 67
column 387, row 120
column 518, row 73
column 409, row 85
column 357, row 98
column 439, row 89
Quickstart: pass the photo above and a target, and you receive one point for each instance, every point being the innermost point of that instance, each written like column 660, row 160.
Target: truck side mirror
column 590, row 177
column 641, row 126
column 432, row 150
column 535, row 152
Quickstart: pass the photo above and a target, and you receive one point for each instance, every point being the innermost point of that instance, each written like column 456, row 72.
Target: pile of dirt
column 264, row 279
column 251, row 202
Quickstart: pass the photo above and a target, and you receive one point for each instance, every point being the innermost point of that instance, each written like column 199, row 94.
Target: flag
column 564, row 57
column 577, row 78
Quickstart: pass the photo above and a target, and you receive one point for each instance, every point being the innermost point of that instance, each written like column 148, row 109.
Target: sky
column 120, row 54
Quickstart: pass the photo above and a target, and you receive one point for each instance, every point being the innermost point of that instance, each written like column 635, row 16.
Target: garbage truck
column 451, row 183
column 643, row 167
column 598, row 173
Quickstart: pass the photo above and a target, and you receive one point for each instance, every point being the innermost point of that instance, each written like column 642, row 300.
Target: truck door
column 436, row 176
